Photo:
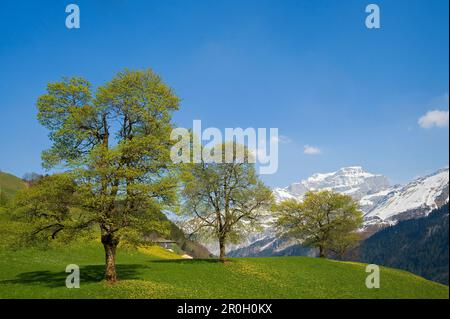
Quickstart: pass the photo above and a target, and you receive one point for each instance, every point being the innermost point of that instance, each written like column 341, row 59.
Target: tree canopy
column 324, row 219
column 224, row 199
column 114, row 147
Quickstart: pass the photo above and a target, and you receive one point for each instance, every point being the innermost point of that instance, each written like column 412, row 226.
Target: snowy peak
column 378, row 200
column 416, row 198
column 383, row 205
column 283, row 194
column 350, row 180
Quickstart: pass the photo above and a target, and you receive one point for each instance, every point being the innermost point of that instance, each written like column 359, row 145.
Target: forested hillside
column 417, row 245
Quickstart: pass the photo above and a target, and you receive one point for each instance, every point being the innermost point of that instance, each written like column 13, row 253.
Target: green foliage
column 4, row 199
column 40, row 274
column 14, row 233
column 115, row 145
column 324, row 219
column 224, row 200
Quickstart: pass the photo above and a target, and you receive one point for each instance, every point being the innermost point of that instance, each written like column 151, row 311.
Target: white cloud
column 311, row 150
column 438, row 118
column 282, row 139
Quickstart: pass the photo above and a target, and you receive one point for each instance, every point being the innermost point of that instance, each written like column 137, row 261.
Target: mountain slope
column 416, row 198
column 9, row 185
column 417, row 245
column 351, row 180
column 272, row 246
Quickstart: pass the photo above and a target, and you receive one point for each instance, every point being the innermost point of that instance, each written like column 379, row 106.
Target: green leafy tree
column 344, row 239
column 224, row 200
column 115, row 148
column 324, row 219
column 3, row 198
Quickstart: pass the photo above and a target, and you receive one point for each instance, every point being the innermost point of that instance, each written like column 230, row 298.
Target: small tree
column 325, row 220
column 224, row 200
column 116, row 149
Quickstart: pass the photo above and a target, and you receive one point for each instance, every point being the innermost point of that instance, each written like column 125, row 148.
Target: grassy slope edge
column 33, row 273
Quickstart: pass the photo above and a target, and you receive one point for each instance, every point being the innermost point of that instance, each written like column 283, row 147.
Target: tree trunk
column 321, row 252
column 110, row 244
column 222, row 249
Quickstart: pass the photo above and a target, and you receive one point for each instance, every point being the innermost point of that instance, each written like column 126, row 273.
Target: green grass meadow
column 157, row 273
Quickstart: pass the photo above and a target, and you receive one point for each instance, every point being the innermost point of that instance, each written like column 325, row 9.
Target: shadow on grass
column 88, row 274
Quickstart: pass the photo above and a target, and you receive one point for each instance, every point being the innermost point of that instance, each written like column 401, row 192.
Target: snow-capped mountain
column 381, row 203
column 414, row 199
column 376, row 197
column 353, row 181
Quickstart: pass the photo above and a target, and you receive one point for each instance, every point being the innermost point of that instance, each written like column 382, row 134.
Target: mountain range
column 381, row 203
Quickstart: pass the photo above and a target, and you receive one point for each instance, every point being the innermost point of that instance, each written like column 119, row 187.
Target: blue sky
column 310, row 68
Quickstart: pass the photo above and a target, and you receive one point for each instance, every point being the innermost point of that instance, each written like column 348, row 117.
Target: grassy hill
column 156, row 273
column 9, row 185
